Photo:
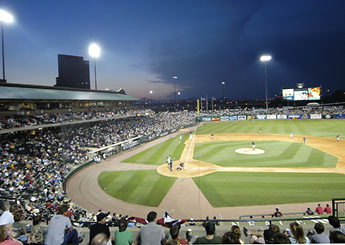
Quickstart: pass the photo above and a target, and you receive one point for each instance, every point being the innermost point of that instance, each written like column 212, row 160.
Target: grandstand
column 48, row 158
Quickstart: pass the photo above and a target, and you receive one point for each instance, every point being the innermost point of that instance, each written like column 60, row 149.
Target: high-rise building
column 74, row 72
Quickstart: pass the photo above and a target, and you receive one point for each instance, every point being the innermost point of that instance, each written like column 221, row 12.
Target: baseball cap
column 101, row 216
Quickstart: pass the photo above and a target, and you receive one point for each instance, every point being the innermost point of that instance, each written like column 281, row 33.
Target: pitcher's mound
column 249, row 151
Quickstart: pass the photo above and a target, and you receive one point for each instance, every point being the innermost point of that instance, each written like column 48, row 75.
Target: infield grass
column 277, row 154
column 322, row 128
column 244, row 189
column 144, row 187
column 158, row 154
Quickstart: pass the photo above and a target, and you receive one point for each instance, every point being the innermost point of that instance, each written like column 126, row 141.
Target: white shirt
column 56, row 230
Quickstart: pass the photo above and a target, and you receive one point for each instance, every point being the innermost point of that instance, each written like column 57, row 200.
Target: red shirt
column 319, row 210
column 328, row 210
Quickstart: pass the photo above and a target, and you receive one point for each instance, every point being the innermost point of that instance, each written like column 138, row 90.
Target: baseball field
column 228, row 172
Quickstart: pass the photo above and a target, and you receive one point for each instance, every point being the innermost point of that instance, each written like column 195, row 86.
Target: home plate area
column 249, row 151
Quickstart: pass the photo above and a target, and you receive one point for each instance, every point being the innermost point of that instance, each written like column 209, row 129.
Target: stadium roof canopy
column 31, row 92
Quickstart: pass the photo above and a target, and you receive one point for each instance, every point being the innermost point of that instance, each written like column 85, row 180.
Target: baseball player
column 291, row 135
column 260, row 131
column 338, row 138
column 253, row 144
column 305, row 139
column 170, row 162
column 212, row 136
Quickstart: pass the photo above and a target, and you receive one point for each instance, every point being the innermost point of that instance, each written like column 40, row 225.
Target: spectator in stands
column 319, row 209
column 151, row 233
column 334, row 221
column 56, row 230
column 36, row 236
column 277, row 213
column 101, row 239
column 210, row 237
column 174, row 233
column 298, row 234
column 100, row 226
column 319, row 237
column 280, row 238
column 337, row 237
column 19, row 228
column 230, row 238
column 6, row 237
column 122, row 236
column 237, row 231
column 327, row 209
column 270, row 232
column 309, row 212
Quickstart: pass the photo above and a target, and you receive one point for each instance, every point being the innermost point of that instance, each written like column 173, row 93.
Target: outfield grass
column 244, row 189
column 144, row 187
column 323, row 128
column 277, row 154
column 158, row 154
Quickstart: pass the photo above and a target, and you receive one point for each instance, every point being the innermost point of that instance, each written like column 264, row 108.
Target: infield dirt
column 184, row 199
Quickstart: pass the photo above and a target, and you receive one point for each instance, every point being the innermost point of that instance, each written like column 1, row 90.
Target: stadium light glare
column 265, row 58
column 94, row 50
column 5, row 17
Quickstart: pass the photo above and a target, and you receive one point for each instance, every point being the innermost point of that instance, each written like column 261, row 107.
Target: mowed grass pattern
column 322, row 128
column 277, row 154
column 244, row 189
column 158, row 154
column 144, row 187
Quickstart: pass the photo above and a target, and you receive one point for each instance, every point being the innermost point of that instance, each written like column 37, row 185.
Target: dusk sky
column 202, row 42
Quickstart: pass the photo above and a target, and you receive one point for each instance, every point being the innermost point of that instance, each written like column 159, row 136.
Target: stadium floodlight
column 94, row 52
column 265, row 59
column 175, row 78
column 223, row 84
column 151, row 92
column 5, row 17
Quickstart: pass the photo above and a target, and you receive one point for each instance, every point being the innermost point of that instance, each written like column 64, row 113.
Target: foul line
column 190, row 148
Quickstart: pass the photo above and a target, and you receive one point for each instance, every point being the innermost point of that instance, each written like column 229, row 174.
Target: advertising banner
column 224, row 118
column 305, row 116
column 206, row 119
column 232, row 118
column 339, row 116
column 295, row 116
column 261, row 117
column 315, row 116
column 281, row 116
column 242, row 117
column 214, row 119
column 327, row 116
column 272, row 117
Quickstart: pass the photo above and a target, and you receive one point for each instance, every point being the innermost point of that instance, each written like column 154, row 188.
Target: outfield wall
column 270, row 117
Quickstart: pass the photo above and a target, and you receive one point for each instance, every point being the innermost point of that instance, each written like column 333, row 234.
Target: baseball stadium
column 207, row 122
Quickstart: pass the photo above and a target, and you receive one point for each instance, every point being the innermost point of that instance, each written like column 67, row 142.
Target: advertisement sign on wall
column 272, row 117
column 242, row 117
column 339, row 116
column 232, row 118
column 294, row 116
column 214, row 119
column 223, row 118
column 281, row 116
column 315, row 116
column 261, row 117
column 206, row 119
